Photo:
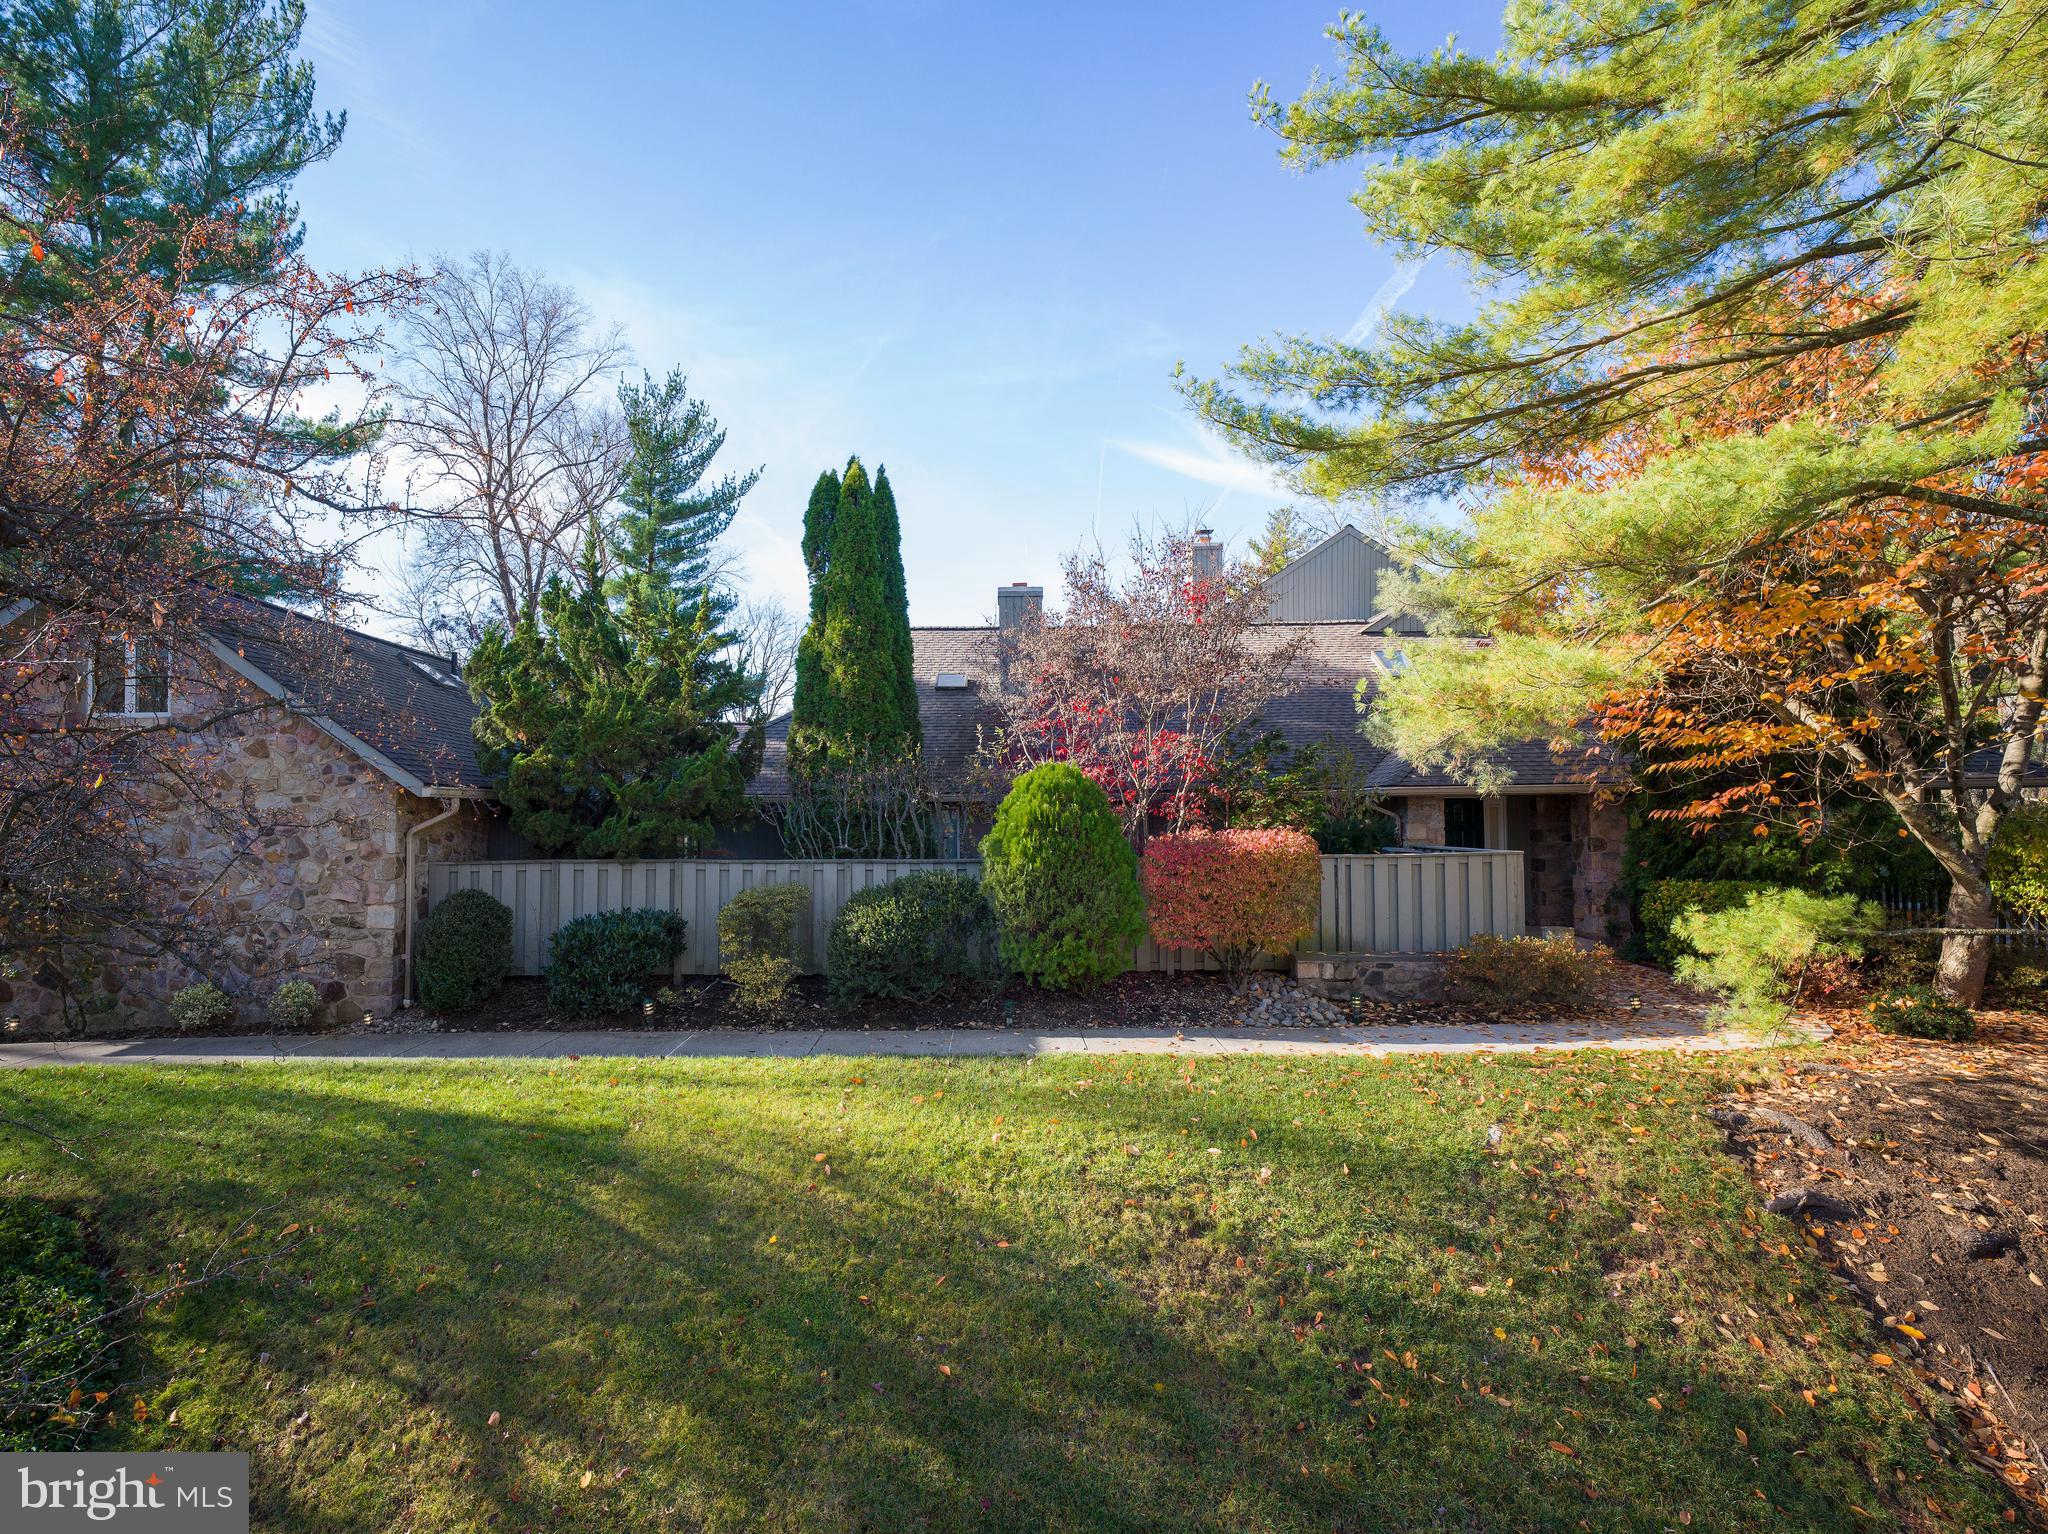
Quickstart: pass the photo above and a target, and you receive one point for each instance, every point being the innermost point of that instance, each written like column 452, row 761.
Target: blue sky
column 966, row 241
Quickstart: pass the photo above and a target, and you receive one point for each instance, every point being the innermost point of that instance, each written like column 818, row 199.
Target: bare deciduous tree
column 496, row 407
column 1143, row 678
column 768, row 633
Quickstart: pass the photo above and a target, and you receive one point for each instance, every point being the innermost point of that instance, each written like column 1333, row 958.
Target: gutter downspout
column 453, row 798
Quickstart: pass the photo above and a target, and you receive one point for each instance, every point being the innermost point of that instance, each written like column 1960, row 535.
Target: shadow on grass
column 654, row 1282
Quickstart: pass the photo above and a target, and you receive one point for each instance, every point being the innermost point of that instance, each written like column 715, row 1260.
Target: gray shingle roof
column 1318, row 707
column 408, row 706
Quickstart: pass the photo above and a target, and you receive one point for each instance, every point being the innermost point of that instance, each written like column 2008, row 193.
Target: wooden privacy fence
column 1402, row 902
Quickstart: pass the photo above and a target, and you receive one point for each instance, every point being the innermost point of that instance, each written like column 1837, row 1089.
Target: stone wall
column 1422, row 820
column 287, row 853
column 1374, row 976
column 1599, row 837
column 1547, row 860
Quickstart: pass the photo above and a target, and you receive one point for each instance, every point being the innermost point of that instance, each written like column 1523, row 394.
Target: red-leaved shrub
column 1233, row 894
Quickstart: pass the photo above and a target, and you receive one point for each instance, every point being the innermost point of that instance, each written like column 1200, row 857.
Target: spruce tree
column 856, row 696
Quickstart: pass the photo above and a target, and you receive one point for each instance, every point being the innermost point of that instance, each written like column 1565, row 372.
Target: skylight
column 435, row 673
column 950, row 681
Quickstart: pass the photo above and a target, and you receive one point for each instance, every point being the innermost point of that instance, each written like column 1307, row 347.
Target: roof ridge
column 391, row 644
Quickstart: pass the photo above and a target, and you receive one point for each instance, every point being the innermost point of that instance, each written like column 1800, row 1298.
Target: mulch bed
column 1131, row 1001
column 1631, row 993
column 1940, row 1153
column 1624, row 994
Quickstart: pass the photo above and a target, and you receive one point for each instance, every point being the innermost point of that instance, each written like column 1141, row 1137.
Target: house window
column 132, row 679
column 1464, row 823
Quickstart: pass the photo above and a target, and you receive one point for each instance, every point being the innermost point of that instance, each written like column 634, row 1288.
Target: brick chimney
column 1205, row 557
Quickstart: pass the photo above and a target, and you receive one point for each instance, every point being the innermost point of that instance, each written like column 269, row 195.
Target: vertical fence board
column 1408, row 902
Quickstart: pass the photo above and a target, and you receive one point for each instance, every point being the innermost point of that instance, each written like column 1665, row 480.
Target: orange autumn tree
column 1893, row 648
column 1756, row 290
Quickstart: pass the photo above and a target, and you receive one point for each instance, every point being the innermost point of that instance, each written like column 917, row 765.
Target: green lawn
column 1100, row 1294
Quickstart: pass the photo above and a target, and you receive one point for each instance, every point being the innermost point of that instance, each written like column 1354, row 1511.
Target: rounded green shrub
column 201, row 1005
column 760, row 942
column 602, row 963
column 1063, row 881
column 463, row 952
column 1667, row 902
column 1917, row 1012
column 293, row 1004
column 914, row 939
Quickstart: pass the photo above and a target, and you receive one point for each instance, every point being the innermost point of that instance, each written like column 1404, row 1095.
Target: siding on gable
column 1338, row 580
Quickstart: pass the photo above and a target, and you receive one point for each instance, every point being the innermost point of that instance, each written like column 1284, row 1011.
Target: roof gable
column 403, row 711
column 1339, row 580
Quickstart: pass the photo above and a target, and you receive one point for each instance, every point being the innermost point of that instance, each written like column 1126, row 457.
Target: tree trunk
column 1965, row 956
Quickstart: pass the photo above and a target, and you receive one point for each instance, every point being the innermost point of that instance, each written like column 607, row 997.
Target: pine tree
column 1747, row 418
column 856, row 696
column 665, row 537
column 1284, row 541
column 148, row 113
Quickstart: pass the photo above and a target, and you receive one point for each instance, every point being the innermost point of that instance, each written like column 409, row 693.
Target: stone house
column 319, row 769
column 1561, row 809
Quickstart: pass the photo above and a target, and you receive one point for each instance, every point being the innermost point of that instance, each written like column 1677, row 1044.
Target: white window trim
column 129, row 679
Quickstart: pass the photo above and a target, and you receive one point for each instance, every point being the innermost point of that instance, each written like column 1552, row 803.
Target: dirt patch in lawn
column 1940, row 1153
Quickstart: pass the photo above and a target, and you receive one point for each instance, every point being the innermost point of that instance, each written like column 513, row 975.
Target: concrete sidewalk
column 750, row 1045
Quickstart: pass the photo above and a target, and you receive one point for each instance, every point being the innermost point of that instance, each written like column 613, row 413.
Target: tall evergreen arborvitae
column 818, row 517
column 856, row 695
column 896, row 593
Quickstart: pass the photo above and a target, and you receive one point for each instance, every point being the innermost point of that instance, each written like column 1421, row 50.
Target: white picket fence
column 1401, row 902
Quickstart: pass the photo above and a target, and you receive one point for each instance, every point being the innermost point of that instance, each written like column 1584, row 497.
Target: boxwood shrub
column 1918, row 1013
column 201, row 1004
column 603, row 962
column 914, row 939
column 463, row 951
column 760, row 941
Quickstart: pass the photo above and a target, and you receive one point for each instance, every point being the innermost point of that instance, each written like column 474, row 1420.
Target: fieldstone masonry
column 1599, row 837
column 1378, row 976
column 295, row 854
column 1422, row 823
column 1548, row 861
